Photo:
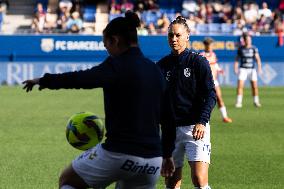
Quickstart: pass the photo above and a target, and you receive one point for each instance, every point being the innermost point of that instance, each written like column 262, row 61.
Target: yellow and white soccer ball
column 84, row 130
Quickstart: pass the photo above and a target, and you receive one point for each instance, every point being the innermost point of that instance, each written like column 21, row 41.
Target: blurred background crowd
column 89, row 17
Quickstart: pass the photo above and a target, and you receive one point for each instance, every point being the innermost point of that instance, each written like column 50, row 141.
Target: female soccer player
column 132, row 153
column 192, row 97
column 210, row 55
column 247, row 54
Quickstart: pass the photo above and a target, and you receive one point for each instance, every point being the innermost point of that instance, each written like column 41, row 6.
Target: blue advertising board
column 84, row 48
column 27, row 56
column 16, row 72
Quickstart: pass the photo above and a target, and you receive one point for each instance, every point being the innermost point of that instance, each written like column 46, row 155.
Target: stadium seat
column 202, row 28
column 89, row 14
column 227, row 28
column 149, row 17
column 113, row 16
column 167, row 10
column 175, row 5
column 214, row 28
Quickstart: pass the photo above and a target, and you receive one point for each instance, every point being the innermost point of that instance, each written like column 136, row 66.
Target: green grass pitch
column 247, row 154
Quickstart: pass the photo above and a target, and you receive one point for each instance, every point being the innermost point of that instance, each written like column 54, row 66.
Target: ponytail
column 124, row 27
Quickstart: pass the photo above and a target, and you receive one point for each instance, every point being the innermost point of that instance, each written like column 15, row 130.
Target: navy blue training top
column 247, row 56
column 134, row 91
column 191, row 86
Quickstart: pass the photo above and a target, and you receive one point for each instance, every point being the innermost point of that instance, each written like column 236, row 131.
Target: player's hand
column 236, row 71
column 29, row 84
column 198, row 131
column 168, row 167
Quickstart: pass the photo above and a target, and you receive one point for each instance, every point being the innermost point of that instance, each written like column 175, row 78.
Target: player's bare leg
column 240, row 91
column 174, row 181
column 221, row 105
column 254, row 89
column 70, row 179
column 199, row 174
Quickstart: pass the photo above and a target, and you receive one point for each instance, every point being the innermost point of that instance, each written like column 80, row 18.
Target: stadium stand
column 204, row 17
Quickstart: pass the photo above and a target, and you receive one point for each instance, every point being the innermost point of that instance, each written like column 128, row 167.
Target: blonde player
column 212, row 59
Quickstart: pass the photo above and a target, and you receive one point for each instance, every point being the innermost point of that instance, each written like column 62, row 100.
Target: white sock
column 256, row 99
column 223, row 112
column 239, row 99
column 67, row 187
column 203, row 187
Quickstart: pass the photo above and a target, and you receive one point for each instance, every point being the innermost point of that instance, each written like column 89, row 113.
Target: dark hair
column 245, row 35
column 182, row 21
column 207, row 41
column 124, row 27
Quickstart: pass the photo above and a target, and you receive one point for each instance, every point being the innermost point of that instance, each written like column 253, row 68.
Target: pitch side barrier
column 27, row 56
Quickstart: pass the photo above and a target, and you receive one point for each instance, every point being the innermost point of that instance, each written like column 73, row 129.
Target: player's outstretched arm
column 29, row 84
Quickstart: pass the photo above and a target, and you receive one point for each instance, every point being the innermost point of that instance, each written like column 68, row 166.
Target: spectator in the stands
column 142, row 30
column 39, row 19
column 163, row 23
column 250, row 13
column 278, row 26
column 4, row 4
column 74, row 23
column 238, row 14
column 139, row 6
column 265, row 11
column 243, row 15
column 239, row 27
column 126, row 5
column 254, row 30
column 77, row 4
column 151, row 5
column 201, row 14
column 262, row 23
column 281, row 6
column 66, row 4
column 189, row 7
column 191, row 22
column 217, row 7
column 50, row 21
column 152, row 29
column 209, row 13
column 226, row 16
column 114, row 7
column 63, row 17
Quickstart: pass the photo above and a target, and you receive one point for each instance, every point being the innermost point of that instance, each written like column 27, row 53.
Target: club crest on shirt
column 168, row 75
column 186, row 72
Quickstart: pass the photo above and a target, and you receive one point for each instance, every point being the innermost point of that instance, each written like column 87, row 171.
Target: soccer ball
column 84, row 130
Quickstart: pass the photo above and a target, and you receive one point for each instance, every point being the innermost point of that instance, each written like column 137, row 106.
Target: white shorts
column 195, row 150
column 99, row 168
column 247, row 73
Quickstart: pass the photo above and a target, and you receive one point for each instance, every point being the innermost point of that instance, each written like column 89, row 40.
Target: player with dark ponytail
column 134, row 91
